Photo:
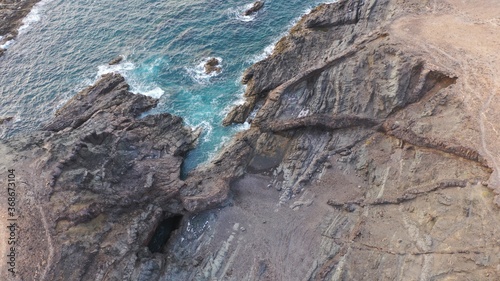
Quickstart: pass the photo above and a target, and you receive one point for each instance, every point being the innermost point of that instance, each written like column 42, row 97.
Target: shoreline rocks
column 257, row 5
column 5, row 119
column 116, row 60
column 95, row 174
column 212, row 65
column 11, row 16
column 364, row 161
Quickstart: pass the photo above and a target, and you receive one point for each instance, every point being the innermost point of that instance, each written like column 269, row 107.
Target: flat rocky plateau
column 373, row 154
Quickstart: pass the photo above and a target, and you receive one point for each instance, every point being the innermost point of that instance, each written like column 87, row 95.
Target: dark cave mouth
column 163, row 232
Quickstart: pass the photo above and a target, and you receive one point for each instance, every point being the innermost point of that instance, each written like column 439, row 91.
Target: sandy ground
column 464, row 37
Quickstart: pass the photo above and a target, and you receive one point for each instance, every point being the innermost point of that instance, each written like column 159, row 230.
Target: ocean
column 65, row 46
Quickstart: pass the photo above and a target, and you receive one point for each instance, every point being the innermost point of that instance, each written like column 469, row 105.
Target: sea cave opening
column 163, row 232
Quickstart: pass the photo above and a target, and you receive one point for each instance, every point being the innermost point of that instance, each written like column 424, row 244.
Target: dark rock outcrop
column 116, row 60
column 6, row 119
column 100, row 179
column 257, row 5
column 11, row 15
column 364, row 160
column 212, row 65
column 367, row 148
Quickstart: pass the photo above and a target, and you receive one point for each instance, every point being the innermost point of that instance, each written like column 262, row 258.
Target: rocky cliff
column 372, row 155
column 95, row 183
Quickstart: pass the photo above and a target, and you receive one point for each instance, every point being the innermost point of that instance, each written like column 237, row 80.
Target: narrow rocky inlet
column 372, row 155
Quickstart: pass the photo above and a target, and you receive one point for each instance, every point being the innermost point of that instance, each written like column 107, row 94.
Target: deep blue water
column 68, row 44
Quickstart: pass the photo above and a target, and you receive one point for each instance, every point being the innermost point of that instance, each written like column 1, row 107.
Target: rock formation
column 116, row 60
column 372, row 155
column 6, row 119
column 257, row 5
column 374, row 133
column 212, row 65
column 98, row 180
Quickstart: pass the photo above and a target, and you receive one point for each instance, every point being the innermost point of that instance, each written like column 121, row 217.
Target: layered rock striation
column 95, row 183
column 371, row 155
column 368, row 155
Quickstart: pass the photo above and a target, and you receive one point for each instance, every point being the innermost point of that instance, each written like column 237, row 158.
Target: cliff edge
column 372, row 155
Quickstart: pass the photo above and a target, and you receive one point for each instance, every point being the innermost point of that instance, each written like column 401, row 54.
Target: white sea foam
column 242, row 127
column 126, row 68
column 198, row 74
column 207, row 130
column 268, row 50
column 238, row 13
column 7, row 44
column 33, row 16
column 156, row 92
column 123, row 68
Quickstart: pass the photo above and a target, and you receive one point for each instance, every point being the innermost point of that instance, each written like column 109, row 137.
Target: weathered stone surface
column 212, row 65
column 371, row 156
column 96, row 183
column 368, row 157
column 257, row 5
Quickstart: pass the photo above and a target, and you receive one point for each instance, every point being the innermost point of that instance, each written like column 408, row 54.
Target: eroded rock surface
column 95, row 183
column 369, row 157
column 257, row 5
column 212, row 65
column 372, row 155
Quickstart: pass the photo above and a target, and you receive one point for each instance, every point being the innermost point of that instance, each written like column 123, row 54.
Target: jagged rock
column 391, row 119
column 212, row 65
column 257, row 5
column 368, row 111
column 105, row 178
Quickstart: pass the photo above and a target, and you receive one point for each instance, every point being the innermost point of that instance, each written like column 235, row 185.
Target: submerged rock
column 116, row 60
column 257, row 5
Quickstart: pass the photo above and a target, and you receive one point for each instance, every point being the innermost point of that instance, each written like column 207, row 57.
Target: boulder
column 212, row 65
column 116, row 60
column 257, row 5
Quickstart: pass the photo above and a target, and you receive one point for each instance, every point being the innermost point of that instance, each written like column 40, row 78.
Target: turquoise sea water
column 66, row 45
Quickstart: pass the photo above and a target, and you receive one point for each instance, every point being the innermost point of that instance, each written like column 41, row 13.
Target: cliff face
column 371, row 156
column 95, row 183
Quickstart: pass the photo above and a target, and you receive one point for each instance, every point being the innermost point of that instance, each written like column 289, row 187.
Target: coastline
column 367, row 159
column 11, row 19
